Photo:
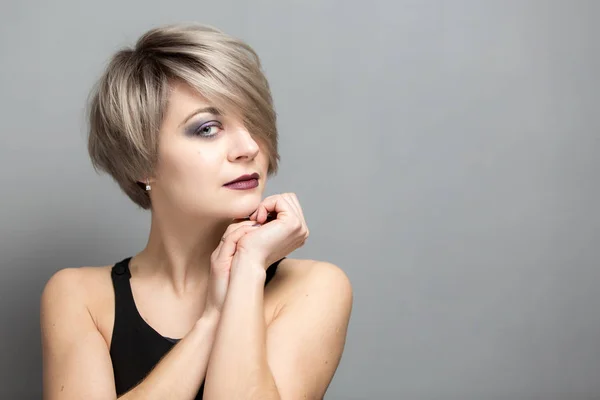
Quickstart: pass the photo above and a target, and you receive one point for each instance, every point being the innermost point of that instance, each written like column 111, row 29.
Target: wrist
column 250, row 269
column 210, row 317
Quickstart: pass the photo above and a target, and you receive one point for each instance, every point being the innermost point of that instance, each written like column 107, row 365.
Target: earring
column 148, row 188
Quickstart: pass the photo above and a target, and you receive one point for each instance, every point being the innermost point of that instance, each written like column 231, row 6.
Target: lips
column 246, row 177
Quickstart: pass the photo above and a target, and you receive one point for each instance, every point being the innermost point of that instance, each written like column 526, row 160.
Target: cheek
column 185, row 167
column 262, row 159
column 191, row 180
column 199, row 167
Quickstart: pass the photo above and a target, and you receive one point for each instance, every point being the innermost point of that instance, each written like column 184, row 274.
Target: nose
column 243, row 145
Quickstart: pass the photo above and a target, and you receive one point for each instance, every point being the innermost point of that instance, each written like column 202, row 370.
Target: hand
column 220, row 264
column 277, row 238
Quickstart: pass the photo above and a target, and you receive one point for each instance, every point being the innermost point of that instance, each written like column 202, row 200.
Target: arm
column 76, row 360
column 179, row 373
column 296, row 357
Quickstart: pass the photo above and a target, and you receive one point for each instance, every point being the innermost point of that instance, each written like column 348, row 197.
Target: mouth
column 243, row 178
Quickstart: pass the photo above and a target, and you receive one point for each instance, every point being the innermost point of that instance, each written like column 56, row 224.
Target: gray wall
column 445, row 152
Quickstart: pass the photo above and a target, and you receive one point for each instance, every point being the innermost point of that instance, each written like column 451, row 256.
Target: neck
column 179, row 249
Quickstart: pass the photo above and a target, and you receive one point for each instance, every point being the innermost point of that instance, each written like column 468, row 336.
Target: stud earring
column 148, row 188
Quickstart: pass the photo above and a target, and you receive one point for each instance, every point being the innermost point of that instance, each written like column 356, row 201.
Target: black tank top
column 135, row 346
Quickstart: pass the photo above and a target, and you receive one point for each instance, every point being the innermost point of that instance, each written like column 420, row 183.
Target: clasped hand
column 275, row 239
column 256, row 242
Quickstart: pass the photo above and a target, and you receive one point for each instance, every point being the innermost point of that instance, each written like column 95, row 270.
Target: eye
column 208, row 129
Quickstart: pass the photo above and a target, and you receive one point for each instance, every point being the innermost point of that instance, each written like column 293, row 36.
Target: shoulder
column 73, row 288
column 70, row 337
column 306, row 339
column 322, row 279
column 65, row 284
column 314, row 272
column 74, row 281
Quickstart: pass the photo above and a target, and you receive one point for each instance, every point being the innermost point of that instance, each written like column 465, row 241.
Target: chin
column 244, row 209
column 241, row 214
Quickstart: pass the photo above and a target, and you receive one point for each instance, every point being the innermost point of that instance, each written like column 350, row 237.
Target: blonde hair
column 129, row 100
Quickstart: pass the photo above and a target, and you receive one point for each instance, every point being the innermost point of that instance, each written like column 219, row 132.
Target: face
column 200, row 150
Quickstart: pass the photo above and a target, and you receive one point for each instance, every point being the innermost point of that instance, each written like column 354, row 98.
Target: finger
column 275, row 204
column 236, row 224
column 297, row 216
column 265, row 207
column 235, row 227
column 253, row 215
column 227, row 232
column 229, row 242
column 293, row 205
column 293, row 199
column 262, row 215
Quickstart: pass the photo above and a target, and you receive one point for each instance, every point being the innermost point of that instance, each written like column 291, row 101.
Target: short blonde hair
column 129, row 101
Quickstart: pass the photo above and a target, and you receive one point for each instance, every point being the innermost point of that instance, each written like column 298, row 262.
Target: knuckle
column 246, row 229
column 233, row 226
column 241, row 244
column 234, row 236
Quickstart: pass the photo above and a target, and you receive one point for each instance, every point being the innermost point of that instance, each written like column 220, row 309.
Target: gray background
column 445, row 153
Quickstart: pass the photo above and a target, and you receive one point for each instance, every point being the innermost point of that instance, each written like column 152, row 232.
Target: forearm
column 238, row 367
column 179, row 373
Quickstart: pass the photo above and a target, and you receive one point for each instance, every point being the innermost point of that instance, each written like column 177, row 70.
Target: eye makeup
column 203, row 128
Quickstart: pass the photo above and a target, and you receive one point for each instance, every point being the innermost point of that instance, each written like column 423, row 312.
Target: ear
column 145, row 180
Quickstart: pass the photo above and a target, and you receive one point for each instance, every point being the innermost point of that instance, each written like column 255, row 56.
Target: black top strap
column 124, row 302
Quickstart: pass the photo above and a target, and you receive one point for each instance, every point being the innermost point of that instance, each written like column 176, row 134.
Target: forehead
column 184, row 99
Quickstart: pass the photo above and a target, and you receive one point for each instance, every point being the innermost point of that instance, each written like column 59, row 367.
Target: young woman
column 211, row 308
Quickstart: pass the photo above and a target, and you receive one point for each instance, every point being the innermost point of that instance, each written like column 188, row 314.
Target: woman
column 211, row 308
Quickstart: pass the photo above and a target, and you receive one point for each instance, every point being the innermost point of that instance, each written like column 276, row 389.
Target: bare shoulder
column 76, row 282
column 63, row 287
column 306, row 277
column 76, row 360
column 77, row 287
column 308, row 334
column 311, row 269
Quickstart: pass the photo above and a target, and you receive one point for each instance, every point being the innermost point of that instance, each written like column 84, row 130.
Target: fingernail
column 256, row 224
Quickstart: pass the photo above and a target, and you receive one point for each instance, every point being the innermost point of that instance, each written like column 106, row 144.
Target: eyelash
column 210, row 124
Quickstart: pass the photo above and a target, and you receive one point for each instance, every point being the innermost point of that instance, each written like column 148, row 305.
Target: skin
column 305, row 309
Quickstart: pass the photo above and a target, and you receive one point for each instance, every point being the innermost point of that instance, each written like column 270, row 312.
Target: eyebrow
column 209, row 110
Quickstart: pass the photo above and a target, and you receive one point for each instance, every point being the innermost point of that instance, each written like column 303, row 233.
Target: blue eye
column 207, row 130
